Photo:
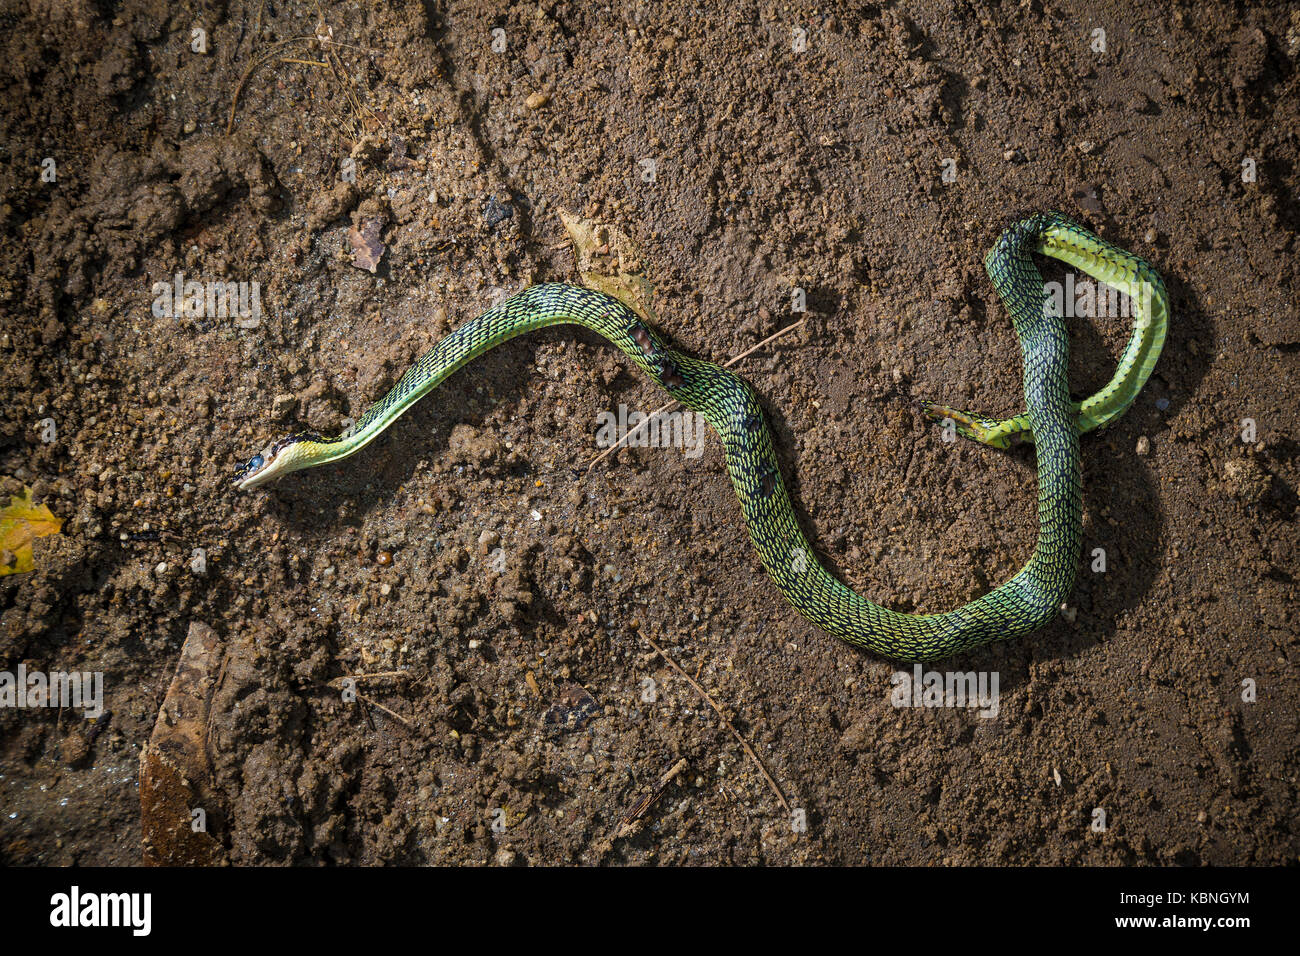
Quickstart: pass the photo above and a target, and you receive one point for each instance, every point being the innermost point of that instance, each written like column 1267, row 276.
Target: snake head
column 246, row 474
column 286, row 455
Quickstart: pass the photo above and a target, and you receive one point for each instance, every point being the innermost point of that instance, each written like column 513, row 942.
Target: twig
column 325, row 37
column 336, row 682
column 723, row 717
column 365, row 709
column 326, row 42
column 632, row 820
column 663, row 408
column 758, row 345
column 374, row 703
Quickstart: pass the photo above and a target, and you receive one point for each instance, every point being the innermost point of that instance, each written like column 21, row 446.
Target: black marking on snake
column 641, row 336
column 301, row 436
column 254, row 463
column 670, row 375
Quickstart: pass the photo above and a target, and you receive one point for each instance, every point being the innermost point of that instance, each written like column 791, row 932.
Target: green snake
column 732, row 409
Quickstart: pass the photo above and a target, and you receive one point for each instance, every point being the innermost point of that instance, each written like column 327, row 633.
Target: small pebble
column 384, row 558
column 1143, row 445
column 537, row 100
column 496, row 212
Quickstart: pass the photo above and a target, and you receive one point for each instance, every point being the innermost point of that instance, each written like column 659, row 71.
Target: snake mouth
column 257, row 470
column 277, row 459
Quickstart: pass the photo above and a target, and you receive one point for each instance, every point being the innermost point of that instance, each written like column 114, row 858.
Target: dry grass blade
column 338, row 683
column 258, row 62
column 723, row 717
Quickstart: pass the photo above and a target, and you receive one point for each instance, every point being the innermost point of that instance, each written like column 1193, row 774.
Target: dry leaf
column 616, row 276
column 175, row 771
column 21, row 523
column 367, row 250
column 572, row 711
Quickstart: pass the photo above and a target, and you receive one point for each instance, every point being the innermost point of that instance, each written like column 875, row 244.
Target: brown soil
column 773, row 169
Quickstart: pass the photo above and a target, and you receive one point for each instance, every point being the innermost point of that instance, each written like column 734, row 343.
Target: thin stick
column 373, row 676
column 365, row 709
column 632, row 820
column 337, row 684
column 391, row 713
column 345, row 79
column 754, row 348
column 663, row 408
column 723, row 717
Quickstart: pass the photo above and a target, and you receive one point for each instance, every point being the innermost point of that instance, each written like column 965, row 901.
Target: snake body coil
column 729, row 404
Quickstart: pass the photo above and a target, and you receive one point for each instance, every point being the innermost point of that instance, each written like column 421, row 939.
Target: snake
column 1052, row 422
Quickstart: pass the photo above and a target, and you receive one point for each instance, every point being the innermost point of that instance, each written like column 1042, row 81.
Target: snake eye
column 243, row 471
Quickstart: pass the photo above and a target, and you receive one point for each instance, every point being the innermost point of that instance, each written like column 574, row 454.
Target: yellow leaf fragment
column 21, row 523
column 610, row 263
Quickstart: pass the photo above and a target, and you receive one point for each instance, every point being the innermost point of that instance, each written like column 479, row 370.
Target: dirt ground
column 867, row 154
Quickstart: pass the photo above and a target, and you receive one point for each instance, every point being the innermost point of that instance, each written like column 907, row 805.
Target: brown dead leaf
column 367, row 250
column 175, row 770
column 610, row 263
column 572, row 710
column 21, row 523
